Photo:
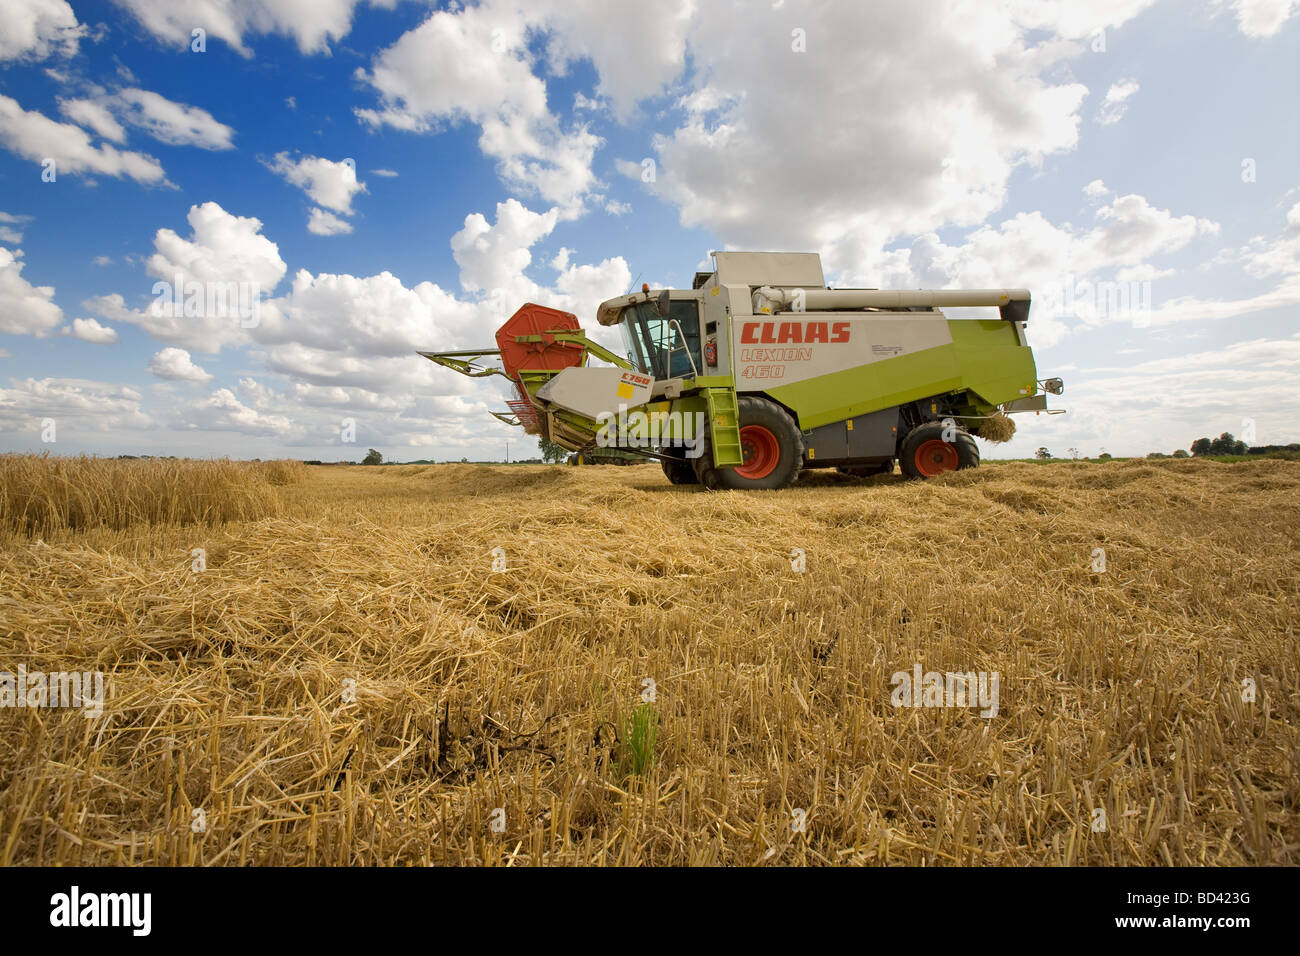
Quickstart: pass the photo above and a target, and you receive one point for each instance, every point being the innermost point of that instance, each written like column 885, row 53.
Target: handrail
column 681, row 333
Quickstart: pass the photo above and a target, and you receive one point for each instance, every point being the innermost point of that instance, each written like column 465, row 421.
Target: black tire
column 678, row 470
column 787, row 451
column 705, row 474
column 936, row 452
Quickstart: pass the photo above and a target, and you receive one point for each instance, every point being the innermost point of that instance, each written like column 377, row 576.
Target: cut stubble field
column 343, row 678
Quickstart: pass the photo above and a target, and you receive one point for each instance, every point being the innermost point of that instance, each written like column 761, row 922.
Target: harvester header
column 760, row 370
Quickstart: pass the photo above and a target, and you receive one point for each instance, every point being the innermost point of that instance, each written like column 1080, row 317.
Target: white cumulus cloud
column 89, row 330
column 1260, row 19
column 223, row 411
column 94, row 115
column 1115, row 104
column 169, row 122
column 322, row 223
column 35, row 29
column 80, row 408
column 10, row 228
column 212, row 284
column 313, row 24
column 222, row 248
column 25, row 309
column 176, row 365
column 472, row 65
column 34, row 136
column 329, row 183
column 1060, row 264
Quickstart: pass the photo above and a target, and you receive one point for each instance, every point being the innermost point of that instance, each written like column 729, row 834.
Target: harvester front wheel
column 933, row 448
column 772, row 446
column 678, row 470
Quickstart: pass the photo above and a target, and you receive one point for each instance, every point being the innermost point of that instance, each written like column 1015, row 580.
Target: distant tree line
column 1225, row 444
column 1229, row 444
column 1291, row 449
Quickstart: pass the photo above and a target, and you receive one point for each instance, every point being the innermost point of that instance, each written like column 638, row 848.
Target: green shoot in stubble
column 636, row 744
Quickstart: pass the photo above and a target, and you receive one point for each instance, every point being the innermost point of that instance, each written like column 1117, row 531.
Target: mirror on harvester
column 662, row 305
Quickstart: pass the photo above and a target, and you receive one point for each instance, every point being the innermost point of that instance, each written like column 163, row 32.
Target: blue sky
column 398, row 175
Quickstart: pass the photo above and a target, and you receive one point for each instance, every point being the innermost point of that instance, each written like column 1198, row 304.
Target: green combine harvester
column 760, row 371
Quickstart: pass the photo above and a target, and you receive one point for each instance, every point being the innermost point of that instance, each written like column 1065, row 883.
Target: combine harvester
column 760, row 370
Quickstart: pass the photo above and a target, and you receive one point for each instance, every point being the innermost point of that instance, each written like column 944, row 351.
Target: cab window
column 663, row 346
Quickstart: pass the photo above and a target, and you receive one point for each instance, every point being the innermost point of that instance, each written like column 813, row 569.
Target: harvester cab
column 760, row 370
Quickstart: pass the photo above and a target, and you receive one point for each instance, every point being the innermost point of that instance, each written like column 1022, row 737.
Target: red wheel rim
column 761, row 450
column 935, row 457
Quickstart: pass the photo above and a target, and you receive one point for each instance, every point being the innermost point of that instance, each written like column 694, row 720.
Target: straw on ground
column 349, row 681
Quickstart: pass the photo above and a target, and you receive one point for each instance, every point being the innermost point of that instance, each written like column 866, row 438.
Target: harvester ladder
column 724, row 427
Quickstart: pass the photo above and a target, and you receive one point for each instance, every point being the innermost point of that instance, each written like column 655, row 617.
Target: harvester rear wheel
column 927, row 452
column 772, row 446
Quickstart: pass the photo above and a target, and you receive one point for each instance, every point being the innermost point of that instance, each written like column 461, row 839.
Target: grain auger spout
column 760, row 371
